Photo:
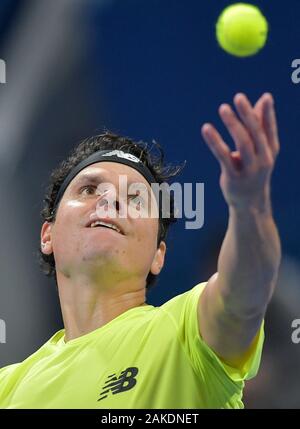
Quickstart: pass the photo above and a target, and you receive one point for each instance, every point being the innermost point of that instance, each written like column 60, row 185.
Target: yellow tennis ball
column 241, row 29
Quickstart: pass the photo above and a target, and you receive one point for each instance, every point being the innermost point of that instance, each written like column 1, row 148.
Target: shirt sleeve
column 204, row 360
column 6, row 379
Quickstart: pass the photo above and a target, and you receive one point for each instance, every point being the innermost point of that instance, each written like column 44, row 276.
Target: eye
column 88, row 190
column 136, row 198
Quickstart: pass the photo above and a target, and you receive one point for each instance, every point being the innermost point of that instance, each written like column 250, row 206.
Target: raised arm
column 233, row 304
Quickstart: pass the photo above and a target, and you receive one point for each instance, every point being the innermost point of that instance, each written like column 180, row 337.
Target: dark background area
column 149, row 70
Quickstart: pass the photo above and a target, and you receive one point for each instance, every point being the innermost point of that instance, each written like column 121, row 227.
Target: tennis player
column 116, row 350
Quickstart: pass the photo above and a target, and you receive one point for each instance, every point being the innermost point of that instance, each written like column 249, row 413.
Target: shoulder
column 183, row 302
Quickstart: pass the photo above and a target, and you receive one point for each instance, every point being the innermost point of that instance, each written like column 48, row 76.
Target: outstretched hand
column 246, row 171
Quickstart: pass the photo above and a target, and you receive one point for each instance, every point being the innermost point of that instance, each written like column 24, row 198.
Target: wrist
column 261, row 208
column 260, row 204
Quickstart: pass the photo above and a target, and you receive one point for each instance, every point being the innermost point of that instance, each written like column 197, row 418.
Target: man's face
column 83, row 247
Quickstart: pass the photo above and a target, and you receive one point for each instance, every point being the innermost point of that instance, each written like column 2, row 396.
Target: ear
column 46, row 243
column 159, row 258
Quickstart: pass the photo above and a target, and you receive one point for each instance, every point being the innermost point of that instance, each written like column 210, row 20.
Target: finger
column 258, row 108
column 238, row 133
column 216, row 144
column 253, row 124
column 236, row 159
column 270, row 124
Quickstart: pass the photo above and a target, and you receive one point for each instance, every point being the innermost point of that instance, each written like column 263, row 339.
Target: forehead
column 109, row 172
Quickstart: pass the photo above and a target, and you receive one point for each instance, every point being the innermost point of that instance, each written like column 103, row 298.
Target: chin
column 100, row 254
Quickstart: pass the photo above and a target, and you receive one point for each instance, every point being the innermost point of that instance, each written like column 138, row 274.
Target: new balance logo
column 121, row 154
column 115, row 384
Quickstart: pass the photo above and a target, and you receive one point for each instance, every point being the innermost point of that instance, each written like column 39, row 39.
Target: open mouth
column 102, row 224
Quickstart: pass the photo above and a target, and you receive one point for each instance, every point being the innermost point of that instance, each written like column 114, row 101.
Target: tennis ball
column 241, row 29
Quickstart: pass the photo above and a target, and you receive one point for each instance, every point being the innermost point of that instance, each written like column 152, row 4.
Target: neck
column 87, row 306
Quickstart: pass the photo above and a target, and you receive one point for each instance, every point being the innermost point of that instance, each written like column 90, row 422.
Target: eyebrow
column 93, row 178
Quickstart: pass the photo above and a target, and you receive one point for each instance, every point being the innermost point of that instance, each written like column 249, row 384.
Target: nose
column 107, row 204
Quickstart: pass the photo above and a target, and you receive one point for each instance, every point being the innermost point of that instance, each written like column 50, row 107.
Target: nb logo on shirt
column 115, row 384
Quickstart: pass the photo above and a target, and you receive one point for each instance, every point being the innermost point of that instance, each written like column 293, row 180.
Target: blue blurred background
column 147, row 69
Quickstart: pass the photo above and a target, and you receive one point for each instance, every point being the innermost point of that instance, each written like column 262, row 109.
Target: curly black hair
column 109, row 140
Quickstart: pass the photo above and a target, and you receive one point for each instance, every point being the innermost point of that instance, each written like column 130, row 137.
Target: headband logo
column 121, row 154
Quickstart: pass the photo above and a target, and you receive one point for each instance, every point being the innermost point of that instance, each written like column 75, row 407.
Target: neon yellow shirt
column 147, row 357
